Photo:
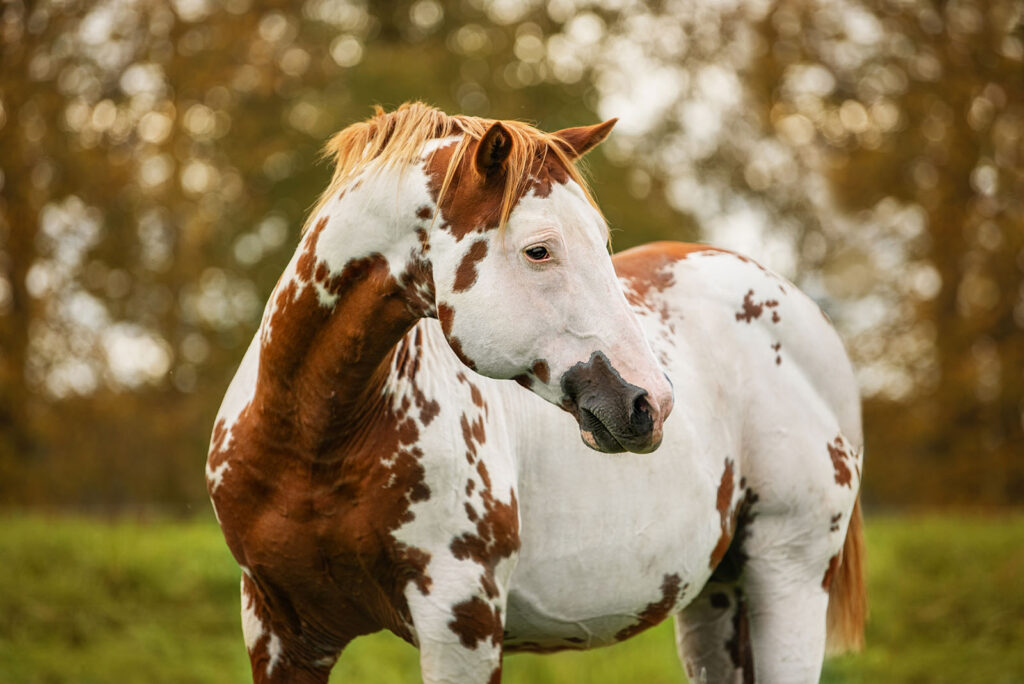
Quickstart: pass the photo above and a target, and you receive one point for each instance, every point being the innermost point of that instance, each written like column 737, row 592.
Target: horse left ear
column 493, row 149
column 582, row 139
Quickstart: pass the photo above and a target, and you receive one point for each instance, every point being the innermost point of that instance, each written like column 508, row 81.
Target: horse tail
column 847, row 596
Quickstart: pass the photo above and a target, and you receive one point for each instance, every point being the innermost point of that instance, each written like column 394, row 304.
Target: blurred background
column 157, row 158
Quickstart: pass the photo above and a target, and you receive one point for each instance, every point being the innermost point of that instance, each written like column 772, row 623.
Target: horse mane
column 395, row 139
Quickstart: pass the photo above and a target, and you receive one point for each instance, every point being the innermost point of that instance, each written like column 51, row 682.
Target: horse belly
column 611, row 543
column 601, row 596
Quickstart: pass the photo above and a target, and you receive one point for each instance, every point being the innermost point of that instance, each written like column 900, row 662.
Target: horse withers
column 372, row 467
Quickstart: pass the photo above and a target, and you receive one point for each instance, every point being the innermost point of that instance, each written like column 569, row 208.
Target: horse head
column 524, row 283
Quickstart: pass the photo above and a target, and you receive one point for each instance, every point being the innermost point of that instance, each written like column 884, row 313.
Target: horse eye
column 537, row 253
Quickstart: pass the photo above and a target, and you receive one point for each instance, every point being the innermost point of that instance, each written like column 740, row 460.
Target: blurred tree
column 157, row 158
column 917, row 111
column 956, row 151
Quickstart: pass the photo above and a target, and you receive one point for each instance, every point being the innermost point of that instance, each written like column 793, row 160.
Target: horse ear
column 493, row 149
column 582, row 139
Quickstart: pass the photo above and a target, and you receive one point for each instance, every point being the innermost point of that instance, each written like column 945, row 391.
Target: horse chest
column 612, row 545
column 318, row 535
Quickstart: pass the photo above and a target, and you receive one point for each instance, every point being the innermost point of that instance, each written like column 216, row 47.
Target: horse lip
column 604, row 440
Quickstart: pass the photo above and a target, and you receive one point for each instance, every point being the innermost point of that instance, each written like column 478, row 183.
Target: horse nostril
column 642, row 418
column 640, row 404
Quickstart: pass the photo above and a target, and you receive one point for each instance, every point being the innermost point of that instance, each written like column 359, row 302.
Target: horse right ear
column 582, row 139
column 493, row 150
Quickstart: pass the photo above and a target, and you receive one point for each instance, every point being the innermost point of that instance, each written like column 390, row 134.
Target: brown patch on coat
column 429, row 409
column 753, row 310
column 477, row 397
column 539, row 370
column 476, row 620
column 731, row 566
column 470, row 211
column 656, row 276
column 496, row 532
column 465, row 274
column 837, row 451
column 473, row 434
column 495, row 535
column 417, row 286
column 307, row 260
column 472, row 202
column 406, row 366
column 723, row 504
column 830, row 571
column 777, row 347
column 446, row 315
column 647, row 270
column 671, row 588
column 834, row 522
column 638, row 263
column 740, row 650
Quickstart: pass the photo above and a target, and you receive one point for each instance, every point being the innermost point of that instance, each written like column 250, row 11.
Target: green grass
column 86, row 601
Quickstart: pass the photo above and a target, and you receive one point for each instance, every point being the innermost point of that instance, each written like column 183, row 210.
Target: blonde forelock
column 395, row 140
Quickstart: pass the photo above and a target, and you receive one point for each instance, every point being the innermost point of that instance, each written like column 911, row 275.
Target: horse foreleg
column 459, row 632
column 273, row 653
column 713, row 635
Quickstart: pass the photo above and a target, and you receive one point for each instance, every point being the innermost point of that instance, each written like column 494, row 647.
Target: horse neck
column 357, row 283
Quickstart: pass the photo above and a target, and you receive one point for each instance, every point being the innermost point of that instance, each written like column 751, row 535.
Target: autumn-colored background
column 157, row 158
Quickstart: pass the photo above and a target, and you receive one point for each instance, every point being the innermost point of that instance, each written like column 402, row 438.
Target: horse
column 388, row 457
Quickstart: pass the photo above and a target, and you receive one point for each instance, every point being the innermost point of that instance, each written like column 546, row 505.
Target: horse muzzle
column 613, row 415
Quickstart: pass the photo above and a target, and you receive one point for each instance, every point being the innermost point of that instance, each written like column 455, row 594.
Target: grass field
column 86, row 601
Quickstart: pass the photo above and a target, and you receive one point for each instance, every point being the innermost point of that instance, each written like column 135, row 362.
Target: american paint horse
column 373, row 467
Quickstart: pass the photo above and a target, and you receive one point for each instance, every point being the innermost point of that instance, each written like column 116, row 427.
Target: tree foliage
column 157, row 158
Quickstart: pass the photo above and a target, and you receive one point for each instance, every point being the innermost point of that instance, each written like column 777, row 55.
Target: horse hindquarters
column 767, row 625
column 764, row 618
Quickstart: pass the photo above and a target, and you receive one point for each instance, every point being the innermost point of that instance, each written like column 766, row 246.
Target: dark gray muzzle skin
column 615, row 412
